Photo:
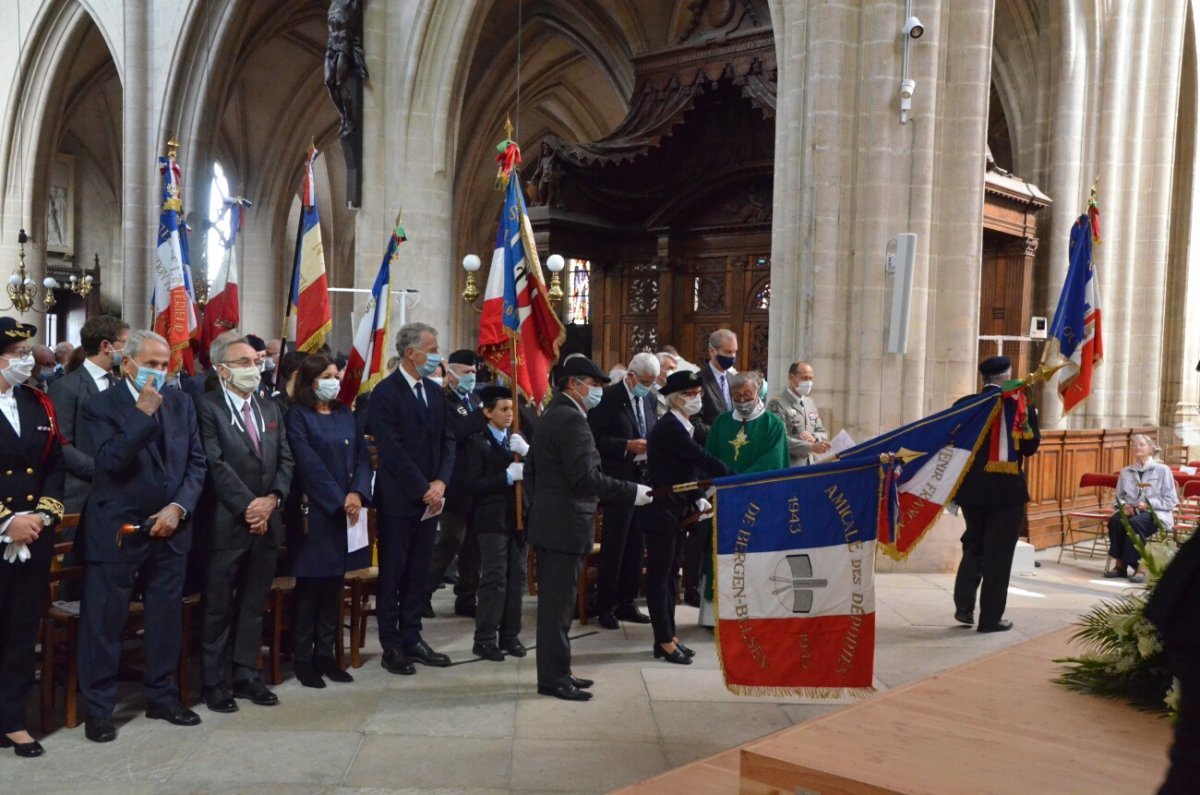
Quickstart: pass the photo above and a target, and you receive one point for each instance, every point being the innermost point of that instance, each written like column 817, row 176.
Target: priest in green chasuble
column 747, row 439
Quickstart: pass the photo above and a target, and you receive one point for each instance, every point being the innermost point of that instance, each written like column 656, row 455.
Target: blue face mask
column 594, row 395
column 466, row 384
column 145, row 374
column 432, row 360
column 117, row 357
column 640, row 390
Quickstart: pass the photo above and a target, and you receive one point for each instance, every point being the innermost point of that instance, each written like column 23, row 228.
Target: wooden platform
column 996, row 725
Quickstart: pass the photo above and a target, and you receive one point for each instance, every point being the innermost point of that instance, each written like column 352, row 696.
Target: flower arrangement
column 1124, row 657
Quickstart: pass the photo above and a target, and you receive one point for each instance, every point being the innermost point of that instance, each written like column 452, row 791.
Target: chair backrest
column 60, row 570
column 1104, row 480
column 1191, row 489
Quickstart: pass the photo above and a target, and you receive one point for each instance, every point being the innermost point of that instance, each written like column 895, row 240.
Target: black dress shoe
column 514, row 648
column 395, row 662
column 465, row 609
column 427, row 610
column 219, row 699
column 420, row 652
column 1003, row 625
column 176, row 714
column 256, row 692
column 691, row 597
column 27, row 750
column 964, row 616
column 329, row 668
column 582, row 684
column 488, row 652
column 565, row 692
column 607, row 620
column 674, row 656
column 679, row 645
column 632, row 615
column 308, row 675
column 99, row 730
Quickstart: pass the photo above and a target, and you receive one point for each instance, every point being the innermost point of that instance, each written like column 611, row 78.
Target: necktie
column 641, row 419
column 421, row 397
column 251, row 426
column 109, row 380
column 725, row 391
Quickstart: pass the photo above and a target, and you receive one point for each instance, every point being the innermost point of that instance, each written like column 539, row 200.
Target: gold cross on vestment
column 739, row 441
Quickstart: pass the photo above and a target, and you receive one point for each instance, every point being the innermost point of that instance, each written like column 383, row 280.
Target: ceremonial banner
column 795, row 562
column 1075, row 334
column 515, row 305
column 173, row 299
column 365, row 368
column 308, row 318
column 935, row 452
column 223, row 311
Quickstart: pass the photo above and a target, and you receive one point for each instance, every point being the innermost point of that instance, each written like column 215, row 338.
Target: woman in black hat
column 674, row 457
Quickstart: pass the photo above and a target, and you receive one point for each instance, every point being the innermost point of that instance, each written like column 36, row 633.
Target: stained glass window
column 579, row 309
column 219, row 217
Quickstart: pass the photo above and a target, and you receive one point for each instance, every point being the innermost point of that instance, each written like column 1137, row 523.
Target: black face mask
column 725, row 362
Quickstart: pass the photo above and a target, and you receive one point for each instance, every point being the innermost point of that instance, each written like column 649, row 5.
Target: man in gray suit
column 103, row 339
column 250, row 469
column 563, row 475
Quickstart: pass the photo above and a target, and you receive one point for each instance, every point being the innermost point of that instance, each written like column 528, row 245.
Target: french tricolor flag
column 796, row 577
column 1075, row 333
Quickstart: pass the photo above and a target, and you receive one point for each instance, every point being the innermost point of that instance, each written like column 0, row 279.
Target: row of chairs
column 1092, row 521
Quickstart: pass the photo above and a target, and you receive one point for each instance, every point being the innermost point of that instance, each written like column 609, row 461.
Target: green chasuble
column 759, row 445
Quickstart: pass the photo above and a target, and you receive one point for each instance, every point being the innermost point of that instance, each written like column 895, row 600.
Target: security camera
column 914, row 28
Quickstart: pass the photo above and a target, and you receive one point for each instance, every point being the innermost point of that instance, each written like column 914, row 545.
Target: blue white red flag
column 1075, row 333
column 308, row 317
column 368, row 358
column 796, row 577
column 936, row 452
column 516, row 308
column 173, row 299
column 223, row 310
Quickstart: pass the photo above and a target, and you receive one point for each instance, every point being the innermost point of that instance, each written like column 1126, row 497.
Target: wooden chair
column 589, row 575
column 275, row 621
column 58, row 635
column 360, row 586
column 1091, row 521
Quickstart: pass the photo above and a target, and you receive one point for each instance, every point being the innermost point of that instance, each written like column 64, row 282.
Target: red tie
column 251, row 426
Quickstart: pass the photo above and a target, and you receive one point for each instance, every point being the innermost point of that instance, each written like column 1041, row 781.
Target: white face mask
column 327, row 388
column 693, row 405
column 268, row 364
column 435, row 379
column 804, row 388
column 745, row 409
column 244, row 379
column 18, row 370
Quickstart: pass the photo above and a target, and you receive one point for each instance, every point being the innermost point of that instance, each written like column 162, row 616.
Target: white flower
column 1124, row 664
column 1172, row 697
column 1148, row 646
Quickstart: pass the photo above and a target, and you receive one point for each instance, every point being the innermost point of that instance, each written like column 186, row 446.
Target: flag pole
column 287, row 310
column 517, row 429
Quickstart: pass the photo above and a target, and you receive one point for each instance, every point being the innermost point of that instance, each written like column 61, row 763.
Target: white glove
column 15, row 550
column 643, row 496
column 518, row 445
column 516, row 471
column 703, row 505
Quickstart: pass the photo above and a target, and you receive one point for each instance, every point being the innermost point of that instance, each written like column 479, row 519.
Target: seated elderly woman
column 1145, row 489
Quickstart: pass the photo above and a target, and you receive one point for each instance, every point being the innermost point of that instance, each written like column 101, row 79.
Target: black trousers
column 695, row 546
column 662, row 581
column 558, row 587
column 237, row 583
column 22, row 595
column 622, row 550
column 501, row 582
column 988, row 545
column 456, row 536
column 405, row 549
column 107, row 589
column 1119, row 544
column 315, row 619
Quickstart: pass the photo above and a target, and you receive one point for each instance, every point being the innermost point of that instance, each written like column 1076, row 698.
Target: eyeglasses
column 245, row 361
column 17, row 353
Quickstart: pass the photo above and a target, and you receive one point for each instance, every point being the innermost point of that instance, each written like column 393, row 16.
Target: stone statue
column 543, row 182
column 345, row 61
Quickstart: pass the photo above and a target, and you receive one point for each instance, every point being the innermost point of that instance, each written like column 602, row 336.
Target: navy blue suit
column 142, row 464
column 415, row 447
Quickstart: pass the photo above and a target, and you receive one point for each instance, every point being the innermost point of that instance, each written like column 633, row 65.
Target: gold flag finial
column 172, row 147
column 508, row 128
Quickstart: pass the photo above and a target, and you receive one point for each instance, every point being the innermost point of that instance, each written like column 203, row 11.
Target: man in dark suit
column 455, row 536
column 564, row 476
column 621, row 424
column 407, row 415
column 715, row 401
column 31, row 486
column 992, row 496
column 250, row 467
column 149, row 473
column 103, row 338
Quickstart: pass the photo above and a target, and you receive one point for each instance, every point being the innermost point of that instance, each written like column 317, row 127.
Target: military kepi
column 995, row 365
column 13, row 330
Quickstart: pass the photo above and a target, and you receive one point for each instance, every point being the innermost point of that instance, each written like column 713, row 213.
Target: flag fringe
column 1002, row 467
column 814, row 693
column 314, row 342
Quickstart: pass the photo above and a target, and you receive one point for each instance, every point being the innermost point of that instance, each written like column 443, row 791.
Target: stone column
column 137, row 210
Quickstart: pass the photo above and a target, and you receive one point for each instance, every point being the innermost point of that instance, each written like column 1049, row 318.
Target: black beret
column 13, row 330
column 994, row 365
column 681, row 380
column 256, row 342
column 490, row 393
column 464, row 356
column 580, row 366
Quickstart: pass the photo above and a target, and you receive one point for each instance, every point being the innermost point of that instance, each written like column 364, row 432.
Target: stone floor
column 480, row 727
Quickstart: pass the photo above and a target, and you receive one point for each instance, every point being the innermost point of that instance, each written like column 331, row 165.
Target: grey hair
column 645, row 364
column 138, row 339
column 216, row 351
column 662, row 357
column 1153, row 444
column 719, row 336
column 998, row 378
column 748, row 377
column 409, row 336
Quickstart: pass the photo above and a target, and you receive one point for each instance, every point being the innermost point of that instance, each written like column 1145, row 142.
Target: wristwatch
column 47, row 519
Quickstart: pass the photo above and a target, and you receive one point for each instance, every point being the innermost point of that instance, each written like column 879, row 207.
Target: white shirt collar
column 717, row 372
column 236, row 400
column 132, row 389
column 412, row 382
column 684, row 421
column 98, row 374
